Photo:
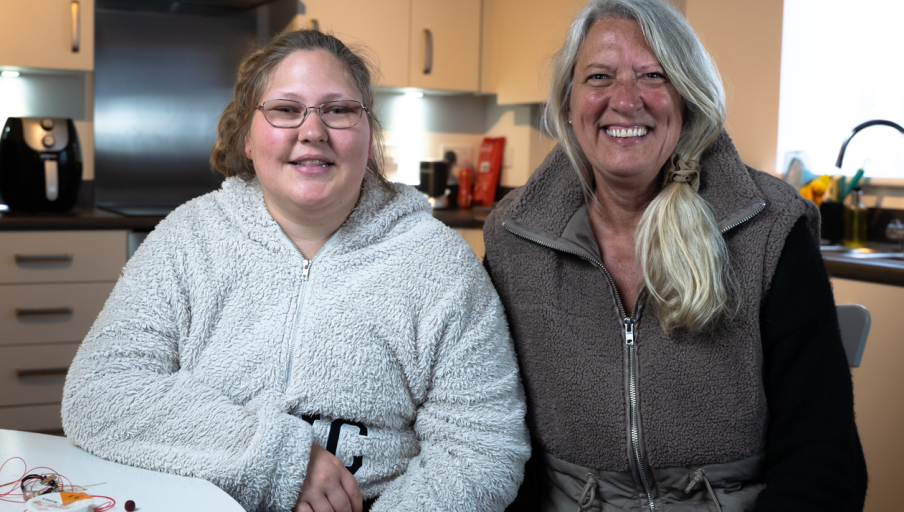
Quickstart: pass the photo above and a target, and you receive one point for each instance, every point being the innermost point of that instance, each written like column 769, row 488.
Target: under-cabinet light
column 9, row 74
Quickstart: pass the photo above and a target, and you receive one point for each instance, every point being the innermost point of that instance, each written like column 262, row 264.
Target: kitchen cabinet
column 429, row 44
column 474, row 239
column 520, row 38
column 49, row 34
column 53, row 284
column 879, row 387
column 445, row 45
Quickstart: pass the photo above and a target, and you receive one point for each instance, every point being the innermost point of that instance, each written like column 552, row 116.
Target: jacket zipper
column 630, row 323
column 305, row 272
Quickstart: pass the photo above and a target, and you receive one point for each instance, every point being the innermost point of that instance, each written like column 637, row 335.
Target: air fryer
column 40, row 164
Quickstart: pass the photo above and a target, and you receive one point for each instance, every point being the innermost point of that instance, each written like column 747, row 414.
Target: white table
column 150, row 490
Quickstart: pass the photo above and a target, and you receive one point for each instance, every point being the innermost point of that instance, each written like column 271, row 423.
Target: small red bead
column 130, row 506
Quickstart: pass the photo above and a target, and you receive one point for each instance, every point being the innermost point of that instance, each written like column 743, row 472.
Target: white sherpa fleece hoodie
column 215, row 357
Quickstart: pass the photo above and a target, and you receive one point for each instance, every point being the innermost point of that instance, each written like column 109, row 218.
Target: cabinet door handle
column 315, row 25
column 43, row 259
column 428, row 51
column 36, row 313
column 42, row 373
column 76, row 26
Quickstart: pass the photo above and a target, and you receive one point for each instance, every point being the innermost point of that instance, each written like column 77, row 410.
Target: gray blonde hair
column 684, row 258
column 228, row 155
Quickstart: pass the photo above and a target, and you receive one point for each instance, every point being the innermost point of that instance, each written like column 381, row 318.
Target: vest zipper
column 633, row 421
column 745, row 219
column 630, row 335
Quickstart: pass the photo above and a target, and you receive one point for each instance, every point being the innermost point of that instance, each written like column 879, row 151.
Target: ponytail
column 684, row 258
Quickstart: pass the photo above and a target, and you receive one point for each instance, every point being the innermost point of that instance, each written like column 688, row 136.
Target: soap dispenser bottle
column 855, row 219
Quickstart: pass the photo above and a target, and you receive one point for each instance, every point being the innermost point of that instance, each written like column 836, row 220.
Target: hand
column 328, row 486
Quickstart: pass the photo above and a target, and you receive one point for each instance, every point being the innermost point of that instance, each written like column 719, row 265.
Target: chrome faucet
column 895, row 229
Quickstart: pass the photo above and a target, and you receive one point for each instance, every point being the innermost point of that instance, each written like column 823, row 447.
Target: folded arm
column 128, row 399
column 471, row 427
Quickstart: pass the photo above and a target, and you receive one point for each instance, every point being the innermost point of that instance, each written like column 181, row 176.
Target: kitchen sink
column 883, row 252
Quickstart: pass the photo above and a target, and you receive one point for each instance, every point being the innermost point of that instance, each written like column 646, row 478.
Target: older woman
column 308, row 335
column 673, row 319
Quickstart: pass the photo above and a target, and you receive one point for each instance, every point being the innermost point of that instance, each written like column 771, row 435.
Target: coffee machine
column 434, row 174
column 40, row 164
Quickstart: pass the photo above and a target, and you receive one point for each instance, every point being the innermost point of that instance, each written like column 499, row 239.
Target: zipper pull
column 305, row 269
column 629, row 331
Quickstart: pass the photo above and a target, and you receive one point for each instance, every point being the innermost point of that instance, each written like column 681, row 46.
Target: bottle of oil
column 855, row 220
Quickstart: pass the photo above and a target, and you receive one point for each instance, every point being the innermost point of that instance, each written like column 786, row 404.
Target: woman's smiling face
column 625, row 113
column 311, row 169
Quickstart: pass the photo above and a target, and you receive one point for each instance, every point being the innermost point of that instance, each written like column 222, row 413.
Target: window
column 842, row 64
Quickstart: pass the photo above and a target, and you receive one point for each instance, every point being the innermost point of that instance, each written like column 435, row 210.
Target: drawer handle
column 42, row 373
column 24, row 314
column 43, row 259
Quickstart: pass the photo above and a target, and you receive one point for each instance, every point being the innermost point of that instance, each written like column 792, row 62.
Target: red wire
column 10, row 497
column 4, row 495
column 105, row 506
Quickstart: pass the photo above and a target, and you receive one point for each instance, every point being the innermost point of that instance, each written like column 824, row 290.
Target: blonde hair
column 228, row 155
column 684, row 258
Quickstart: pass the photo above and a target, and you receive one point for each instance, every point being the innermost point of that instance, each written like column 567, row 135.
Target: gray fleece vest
column 699, row 397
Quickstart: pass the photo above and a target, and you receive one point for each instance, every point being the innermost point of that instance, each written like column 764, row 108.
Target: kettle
column 40, row 164
column 434, row 174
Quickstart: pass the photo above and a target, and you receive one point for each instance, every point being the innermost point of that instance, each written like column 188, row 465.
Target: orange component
column 72, row 497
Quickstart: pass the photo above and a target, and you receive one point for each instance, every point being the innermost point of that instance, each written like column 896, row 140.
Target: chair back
column 854, row 321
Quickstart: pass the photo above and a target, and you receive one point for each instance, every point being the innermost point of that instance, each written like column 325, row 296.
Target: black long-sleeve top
column 814, row 460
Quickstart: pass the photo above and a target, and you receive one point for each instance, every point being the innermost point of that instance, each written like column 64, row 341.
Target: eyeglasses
column 291, row 114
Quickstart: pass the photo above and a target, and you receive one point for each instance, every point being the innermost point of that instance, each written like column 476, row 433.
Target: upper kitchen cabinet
column 429, row 44
column 445, row 44
column 49, row 34
column 520, row 38
column 380, row 26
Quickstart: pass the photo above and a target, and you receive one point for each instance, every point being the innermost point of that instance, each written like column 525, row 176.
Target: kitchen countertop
column 102, row 219
column 883, row 271
column 76, row 220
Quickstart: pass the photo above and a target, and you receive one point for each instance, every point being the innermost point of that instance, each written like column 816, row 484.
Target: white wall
column 419, row 128
column 745, row 39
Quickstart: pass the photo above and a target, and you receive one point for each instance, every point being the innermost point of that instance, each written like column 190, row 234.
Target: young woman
column 308, row 337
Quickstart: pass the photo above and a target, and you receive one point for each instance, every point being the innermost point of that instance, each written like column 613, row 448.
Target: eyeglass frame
column 307, row 108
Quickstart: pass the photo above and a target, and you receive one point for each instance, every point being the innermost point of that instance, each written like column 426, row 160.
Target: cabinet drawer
column 49, row 313
column 61, row 256
column 31, row 418
column 34, row 375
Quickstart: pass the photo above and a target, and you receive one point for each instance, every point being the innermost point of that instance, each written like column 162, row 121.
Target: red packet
column 487, row 174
